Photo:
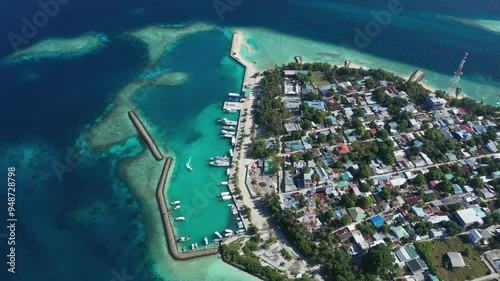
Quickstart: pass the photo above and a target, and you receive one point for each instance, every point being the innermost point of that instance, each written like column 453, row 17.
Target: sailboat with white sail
column 188, row 164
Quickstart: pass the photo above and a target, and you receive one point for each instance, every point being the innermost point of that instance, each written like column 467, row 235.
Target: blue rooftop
column 319, row 105
column 377, row 220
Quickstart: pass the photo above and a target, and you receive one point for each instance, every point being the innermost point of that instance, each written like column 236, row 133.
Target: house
column 289, row 185
column 399, row 232
column 435, row 102
column 438, row 232
column 468, row 217
column 491, row 146
column 478, row 235
column 455, row 259
column 290, row 127
column 416, row 265
column 292, row 103
column 319, row 105
column 356, row 213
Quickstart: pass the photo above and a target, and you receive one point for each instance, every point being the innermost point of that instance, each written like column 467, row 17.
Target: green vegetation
column 434, row 254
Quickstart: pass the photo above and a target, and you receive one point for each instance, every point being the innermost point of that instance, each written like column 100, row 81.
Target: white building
column 468, row 217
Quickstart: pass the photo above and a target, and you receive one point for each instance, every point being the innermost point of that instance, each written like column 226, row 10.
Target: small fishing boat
column 227, row 230
column 226, row 197
column 188, row 164
column 223, row 183
column 228, row 171
column 195, row 245
column 216, row 240
column 184, row 239
column 229, row 235
column 180, row 218
column 234, row 95
column 218, row 234
column 175, row 203
column 222, row 194
column 231, row 152
column 184, row 248
column 206, row 241
column 192, row 246
column 233, row 140
column 227, row 136
column 231, row 128
column 177, row 207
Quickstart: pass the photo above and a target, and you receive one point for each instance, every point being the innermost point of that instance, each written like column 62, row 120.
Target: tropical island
column 359, row 174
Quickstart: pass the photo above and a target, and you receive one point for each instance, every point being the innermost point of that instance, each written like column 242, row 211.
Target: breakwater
column 145, row 136
column 167, row 226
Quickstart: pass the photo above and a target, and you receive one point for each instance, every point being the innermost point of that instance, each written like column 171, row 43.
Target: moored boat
column 216, row 240
column 220, row 163
column 225, row 198
column 233, row 140
column 222, row 194
column 180, row 218
column 228, row 235
column 184, row 239
column 233, row 95
column 184, row 248
column 206, row 241
column 232, row 128
column 230, row 110
column 234, row 210
column 227, row 136
column 228, row 171
column 225, row 121
column 223, row 183
column 177, row 207
column 240, row 225
column 192, row 246
column 195, row 245
column 218, row 234
column 231, row 152
column 224, row 132
column 227, row 230
column 175, row 203
column 223, row 157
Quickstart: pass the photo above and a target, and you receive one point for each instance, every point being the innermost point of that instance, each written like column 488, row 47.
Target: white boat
column 240, row 225
column 184, row 248
column 184, row 239
column 218, row 234
column 180, row 218
column 228, row 235
column 230, row 205
column 195, row 245
column 228, row 171
column 230, row 110
column 177, row 207
column 240, row 231
column 228, row 230
column 234, row 210
column 224, row 132
column 222, row 194
column 238, row 219
column 223, row 183
column 206, row 241
column 224, row 157
column 232, row 128
column 175, row 203
column 216, row 240
column 233, row 140
column 188, row 164
column 225, row 198
column 231, row 152
column 233, row 95
column 220, row 163
column 227, row 136
column 192, row 246
column 225, row 121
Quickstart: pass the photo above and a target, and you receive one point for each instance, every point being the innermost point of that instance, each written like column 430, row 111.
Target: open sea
column 78, row 218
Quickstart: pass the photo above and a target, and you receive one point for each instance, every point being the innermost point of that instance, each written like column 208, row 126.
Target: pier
column 231, row 105
column 167, row 226
column 145, row 136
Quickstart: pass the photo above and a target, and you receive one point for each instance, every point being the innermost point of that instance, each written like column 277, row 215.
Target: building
column 416, row 265
column 292, row 103
column 434, row 102
column 468, row 217
column 399, row 232
column 357, row 213
column 455, row 259
column 290, row 127
column 478, row 235
column 319, row 105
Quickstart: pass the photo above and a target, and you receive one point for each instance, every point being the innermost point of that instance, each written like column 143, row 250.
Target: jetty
column 231, row 105
column 167, row 226
column 145, row 136
column 417, row 76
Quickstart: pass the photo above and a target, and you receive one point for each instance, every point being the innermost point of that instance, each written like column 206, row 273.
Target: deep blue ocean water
column 45, row 108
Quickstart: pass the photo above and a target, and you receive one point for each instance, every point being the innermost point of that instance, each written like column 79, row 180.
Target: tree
column 322, row 138
column 294, row 158
column 386, row 194
column 385, row 228
column 419, row 180
column 365, row 171
column 364, row 202
column 477, row 182
column 378, row 261
column 452, row 228
column 277, row 164
column 345, row 220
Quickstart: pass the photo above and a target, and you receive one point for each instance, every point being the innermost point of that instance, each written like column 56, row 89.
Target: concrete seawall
column 167, row 226
column 145, row 136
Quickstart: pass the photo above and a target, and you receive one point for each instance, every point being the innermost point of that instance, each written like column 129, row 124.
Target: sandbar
column 61, row 47
column 160, row 39
column 115, row 126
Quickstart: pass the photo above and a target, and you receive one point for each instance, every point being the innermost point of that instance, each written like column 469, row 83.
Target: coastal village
column 361, row 165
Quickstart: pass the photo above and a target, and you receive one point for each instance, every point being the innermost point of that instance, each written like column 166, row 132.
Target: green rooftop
column 248, row 92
